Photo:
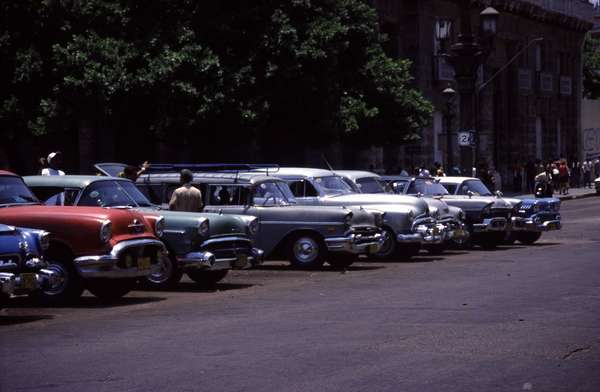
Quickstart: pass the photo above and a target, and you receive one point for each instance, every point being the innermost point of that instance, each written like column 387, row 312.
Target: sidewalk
column 574, row 193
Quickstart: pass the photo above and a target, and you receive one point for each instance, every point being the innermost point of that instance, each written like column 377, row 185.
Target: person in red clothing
column 563, row 177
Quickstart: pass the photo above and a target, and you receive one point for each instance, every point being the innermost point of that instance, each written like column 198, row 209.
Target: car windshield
column 371, row 185
column 273, row 194
column 475, row 186
column 113, row 194
column 331, row 185
column 14, row 191
column 427, row 187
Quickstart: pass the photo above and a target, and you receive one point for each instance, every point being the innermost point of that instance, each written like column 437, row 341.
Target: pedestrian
column 587, row 174
column 563, row 177
column 51, row 164
column 555, row 176
column 497, row 180
column 187, row 197
column 439, row 170
column 132, row 173
column 530, row 175
column 423, row 172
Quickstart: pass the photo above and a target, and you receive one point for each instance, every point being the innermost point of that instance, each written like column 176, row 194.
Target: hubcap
column 164, row 271
column 388, row 244
column 61, row 280
column 306, row 250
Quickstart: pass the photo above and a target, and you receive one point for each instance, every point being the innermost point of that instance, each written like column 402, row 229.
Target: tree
column 591, row 67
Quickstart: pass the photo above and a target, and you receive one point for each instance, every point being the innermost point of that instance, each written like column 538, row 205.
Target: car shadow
column 22, row 319
column 191, row 287
column 83, row 302
column 324, row 268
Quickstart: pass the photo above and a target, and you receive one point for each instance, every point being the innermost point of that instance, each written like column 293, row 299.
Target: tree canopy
column 300, row 70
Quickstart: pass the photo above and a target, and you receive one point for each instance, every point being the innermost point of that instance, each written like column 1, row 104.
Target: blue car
column 21, row 261
column 532, row 217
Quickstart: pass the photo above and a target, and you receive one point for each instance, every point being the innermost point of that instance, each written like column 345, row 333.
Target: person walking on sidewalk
column 51, row 165
column 563, row 177
column 587, row 174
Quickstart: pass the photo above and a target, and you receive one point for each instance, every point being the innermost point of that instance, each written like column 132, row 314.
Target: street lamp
column 466, row 55
column 449, row 95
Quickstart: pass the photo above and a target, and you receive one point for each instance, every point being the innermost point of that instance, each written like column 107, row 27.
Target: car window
column 397, row 186
column 14, row 191
column 106, row 194
column 475, row 186
column 303, row 188
column 351, row 184
column 66, row 198
column 232, row 195
column 370, row 185
column 272, row 194
column 428, row 187
column 153, row 192
column 451, row 188
column 331, row 186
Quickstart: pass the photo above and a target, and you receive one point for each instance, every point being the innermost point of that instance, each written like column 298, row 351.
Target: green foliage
column 591, row 68
column 301, row 70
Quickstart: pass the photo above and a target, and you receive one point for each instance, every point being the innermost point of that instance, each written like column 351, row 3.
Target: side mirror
column 499, row 194
column 470, row 194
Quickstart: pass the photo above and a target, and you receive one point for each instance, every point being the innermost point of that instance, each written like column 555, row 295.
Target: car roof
column 7, row 173
column 68, row 181
column 210, row 177
column 301, row 172
column 455, row 180
column 407, row 178
column 356, row 174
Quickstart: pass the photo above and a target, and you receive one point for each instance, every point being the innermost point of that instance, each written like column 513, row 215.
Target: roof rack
column 211, row 167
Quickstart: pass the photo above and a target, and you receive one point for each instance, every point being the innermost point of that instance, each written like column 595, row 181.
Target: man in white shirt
column 54, row 161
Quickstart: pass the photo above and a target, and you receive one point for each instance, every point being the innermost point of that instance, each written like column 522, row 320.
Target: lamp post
column 466, row 55
column 449, row 95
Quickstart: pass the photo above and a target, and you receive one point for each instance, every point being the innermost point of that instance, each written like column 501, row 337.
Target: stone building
column 531, row 109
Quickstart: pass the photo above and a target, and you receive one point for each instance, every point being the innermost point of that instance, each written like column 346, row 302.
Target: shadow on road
column 191, row 287
column 325, row 268
column 12, row 320
column 83, row 302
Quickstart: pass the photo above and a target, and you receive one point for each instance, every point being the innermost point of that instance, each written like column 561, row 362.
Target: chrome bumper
column 7, row 283
column 105, row 266
column 431, row 232
column 491, row 224
column 456, row 231
column 208, row 261
column 535, row 224
column 355, row 243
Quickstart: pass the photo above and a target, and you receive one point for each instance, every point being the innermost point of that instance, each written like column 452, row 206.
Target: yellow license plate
column 241, row 261
column 143, row 263
column 374, row 248
column 28, row 281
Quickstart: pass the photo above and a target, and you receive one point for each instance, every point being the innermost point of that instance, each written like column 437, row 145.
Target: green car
column 204, row 246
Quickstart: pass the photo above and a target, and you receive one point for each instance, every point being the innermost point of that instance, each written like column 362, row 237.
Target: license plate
column 241, row 261
column 374, row 248
column 28, row 281
column 143, row 263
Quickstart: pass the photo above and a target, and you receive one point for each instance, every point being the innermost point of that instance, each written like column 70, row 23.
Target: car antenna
column 327, row 163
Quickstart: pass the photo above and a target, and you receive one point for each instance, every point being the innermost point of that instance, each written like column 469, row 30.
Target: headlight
column 105, row 231
column 348, row 219
column 434, row 212
column 253, row 227
column 159, row 227
column 204, row 228
column 44, row 240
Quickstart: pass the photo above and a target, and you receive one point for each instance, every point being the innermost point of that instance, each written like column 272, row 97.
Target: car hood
column 418, row 205
column 6, row 229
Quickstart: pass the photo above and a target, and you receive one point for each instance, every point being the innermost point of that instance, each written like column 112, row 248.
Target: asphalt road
column 515, row 319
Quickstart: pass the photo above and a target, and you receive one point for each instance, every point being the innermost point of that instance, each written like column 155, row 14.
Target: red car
column 99, row 249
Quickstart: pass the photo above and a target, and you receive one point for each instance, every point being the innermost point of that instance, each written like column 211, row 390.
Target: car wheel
column 207, row 279
column 490, row 240
column 167, row 275
column 68, row 287
column 109, row 289
column 528, row 238
column 306, row 251
column 388, row 249
column 341, row 260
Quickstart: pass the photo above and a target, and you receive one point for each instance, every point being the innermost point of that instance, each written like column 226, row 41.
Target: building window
column 539, row 58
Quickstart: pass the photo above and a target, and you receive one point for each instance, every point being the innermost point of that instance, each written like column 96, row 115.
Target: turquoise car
column 204, row 246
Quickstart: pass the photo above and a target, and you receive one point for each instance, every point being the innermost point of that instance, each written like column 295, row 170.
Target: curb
column 573, row 197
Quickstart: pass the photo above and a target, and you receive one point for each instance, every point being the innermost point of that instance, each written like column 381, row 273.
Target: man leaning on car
column 186, row 197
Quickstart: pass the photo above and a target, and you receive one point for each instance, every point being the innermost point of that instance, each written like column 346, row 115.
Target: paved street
column 515, row 319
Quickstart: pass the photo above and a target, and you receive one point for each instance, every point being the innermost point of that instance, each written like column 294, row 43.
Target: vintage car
column 597, row 185
column 306, row 236
column 487, row 217
column 528, row 218
column 202, row 245
column 450, row 219
column 22, row 265
column 407, row 224
column 99, row 249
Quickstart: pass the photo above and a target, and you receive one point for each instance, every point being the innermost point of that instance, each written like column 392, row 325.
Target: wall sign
column 466, row 138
